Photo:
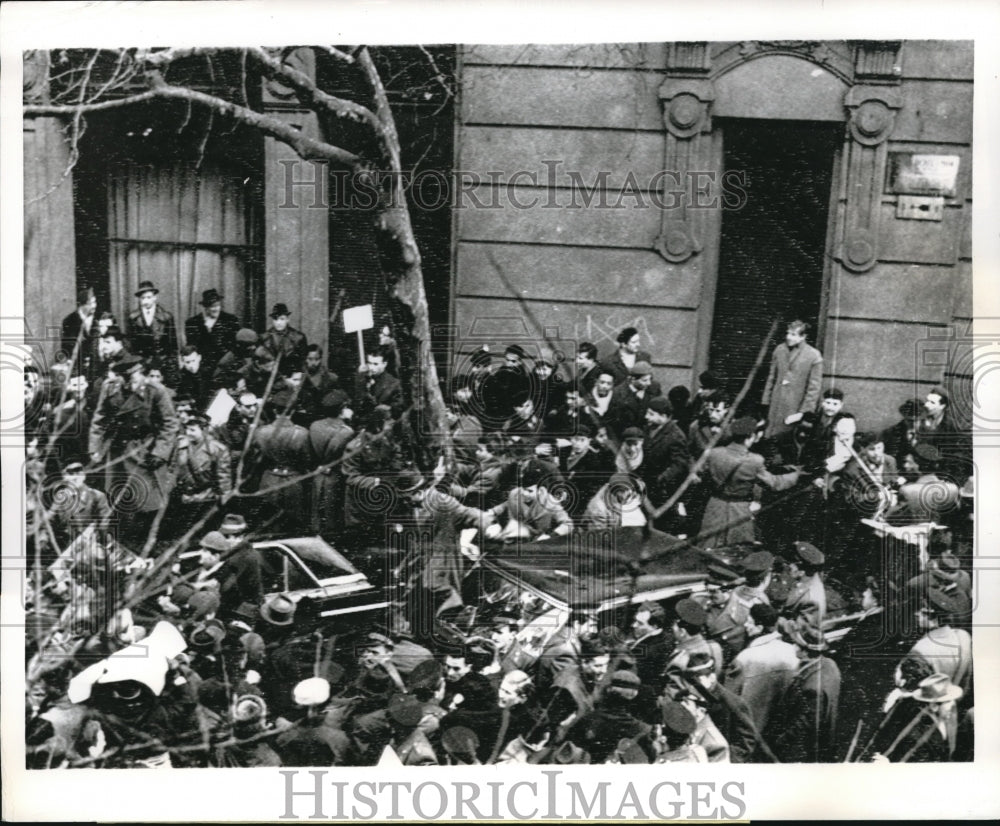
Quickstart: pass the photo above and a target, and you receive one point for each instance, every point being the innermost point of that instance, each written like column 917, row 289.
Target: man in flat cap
column 212, row 331
column 282, row 339
column 153, row 332
column 666, row 459
column 793, row 380
column 630, row 399
column 731, row 472
column 673, row 741
column 135, row 422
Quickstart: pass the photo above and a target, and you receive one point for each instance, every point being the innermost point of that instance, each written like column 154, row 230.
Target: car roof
column 313, row 549
column 576, row 570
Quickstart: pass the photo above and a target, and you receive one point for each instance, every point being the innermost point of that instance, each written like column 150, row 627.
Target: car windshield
column 299, row 565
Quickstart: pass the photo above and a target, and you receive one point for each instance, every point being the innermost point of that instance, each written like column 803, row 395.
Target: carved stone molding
column 687, row 118
column 833, row 55
column 872, row 115
column 877, row 61
column 35, row 81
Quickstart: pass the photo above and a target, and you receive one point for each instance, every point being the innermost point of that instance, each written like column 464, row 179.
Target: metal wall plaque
column 913, row 174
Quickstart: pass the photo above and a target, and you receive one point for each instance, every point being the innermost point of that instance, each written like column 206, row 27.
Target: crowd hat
column 808, row 553
column 678, row 719
column 280, row 309
column 758, row 562
column 661, row 404
column 690, row 612
column 937, row 688
column 460, row 742
column 517, row 350
column 743, row 428
column 278, row 610
column 807, row 637
column 214, row 541
column 641, row 368
column 247, row 336
column 145, row 287
column 210, row 297
column 625, row 679
column 313, row 691
column 406, row 710
column 203, row 603
column 207, row 634
column 127, row 366
column 249, row 708
column 233, row 523
column 408, row 481
column 632, row 433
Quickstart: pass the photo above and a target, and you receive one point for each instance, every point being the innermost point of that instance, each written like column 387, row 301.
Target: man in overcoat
column 153, row 333
column 212, row 331
column 794, row 380
column 136, row 423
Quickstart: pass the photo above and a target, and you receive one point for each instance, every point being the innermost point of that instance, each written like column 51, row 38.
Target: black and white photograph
column 502, row 406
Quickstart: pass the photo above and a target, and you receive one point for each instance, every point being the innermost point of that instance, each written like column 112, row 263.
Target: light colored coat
column 761, row 673
column 793, row 384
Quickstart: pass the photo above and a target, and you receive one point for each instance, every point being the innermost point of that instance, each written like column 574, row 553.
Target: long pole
column 700, row 463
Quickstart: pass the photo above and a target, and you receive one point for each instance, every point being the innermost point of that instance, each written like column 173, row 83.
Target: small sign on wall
column 914, row 174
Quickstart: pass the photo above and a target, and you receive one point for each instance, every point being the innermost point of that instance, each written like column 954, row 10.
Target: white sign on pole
column 358, row 318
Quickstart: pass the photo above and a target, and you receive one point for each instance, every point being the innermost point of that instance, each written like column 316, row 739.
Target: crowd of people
column 154, row 461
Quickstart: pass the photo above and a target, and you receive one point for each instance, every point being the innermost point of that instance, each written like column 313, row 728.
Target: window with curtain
column 185, row 226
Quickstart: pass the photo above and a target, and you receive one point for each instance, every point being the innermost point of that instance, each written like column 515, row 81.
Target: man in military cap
column 673, row 741
column 688, row 630
column 212, row 331
column 806, row 603
column 75, row 508
column 731, row 473
column 282, row 339
column 614, row 717
column 153, row 332
column 135, row 423
column 328, row 436
column 202, row 463
column 727, row 624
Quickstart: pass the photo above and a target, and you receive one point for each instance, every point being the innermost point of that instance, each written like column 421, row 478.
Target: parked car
column 327, row 588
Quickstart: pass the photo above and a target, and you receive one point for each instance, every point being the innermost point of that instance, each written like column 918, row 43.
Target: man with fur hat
column 153, row 332
column 731, row 473
column 804, row 729
column 212, row 331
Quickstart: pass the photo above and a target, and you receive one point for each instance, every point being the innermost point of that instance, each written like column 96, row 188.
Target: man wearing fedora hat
column 804, row 729
column 153, row 332
column 282, row 339
column 921, row 726
column 212, row 331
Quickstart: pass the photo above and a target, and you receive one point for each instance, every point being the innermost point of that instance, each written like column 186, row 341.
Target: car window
column 272, row 570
